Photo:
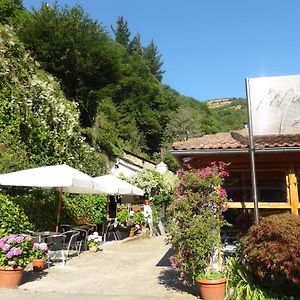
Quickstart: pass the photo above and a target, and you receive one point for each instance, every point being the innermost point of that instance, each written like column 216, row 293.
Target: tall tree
column 153, row 60
column 135, row 45
column 122, row 33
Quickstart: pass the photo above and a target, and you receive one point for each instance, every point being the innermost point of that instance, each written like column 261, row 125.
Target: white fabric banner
column 275, row 104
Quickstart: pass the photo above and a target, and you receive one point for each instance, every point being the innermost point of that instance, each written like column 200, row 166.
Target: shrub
column 92, row 206
column 195, row 217
column 13, row 219
column 272, row 250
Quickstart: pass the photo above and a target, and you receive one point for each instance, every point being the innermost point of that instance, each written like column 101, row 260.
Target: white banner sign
column 275, row 104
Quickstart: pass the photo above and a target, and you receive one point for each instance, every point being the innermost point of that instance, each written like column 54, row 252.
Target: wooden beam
column 279, row 205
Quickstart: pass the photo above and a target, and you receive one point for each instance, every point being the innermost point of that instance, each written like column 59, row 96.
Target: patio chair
column 111, row 229
column 71, row 242
column 65, row 227
column 81, row 239
column 55, row 248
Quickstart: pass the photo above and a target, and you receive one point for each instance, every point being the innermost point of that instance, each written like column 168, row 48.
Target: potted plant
column 94, row 241
column 136, row 207
column 123, row 217
column 39, row 256
column 133, row 230
column 195, row 218
column 15, row 255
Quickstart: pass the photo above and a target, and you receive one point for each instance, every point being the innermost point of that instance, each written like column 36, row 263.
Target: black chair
column 71, row 242
column 111, row 230
column 81, row 239
column 56, row 248
column 65, row 227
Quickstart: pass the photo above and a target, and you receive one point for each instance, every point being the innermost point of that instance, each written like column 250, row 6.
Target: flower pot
column 131, row 233
column 212, row 289
column 93, row 249
column 10, row 277
column 38, row 264
column 136, row 208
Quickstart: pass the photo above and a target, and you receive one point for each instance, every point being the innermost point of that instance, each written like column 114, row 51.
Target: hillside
column 112, row 86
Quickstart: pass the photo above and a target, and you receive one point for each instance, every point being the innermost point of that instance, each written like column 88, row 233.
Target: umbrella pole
column 58, row 209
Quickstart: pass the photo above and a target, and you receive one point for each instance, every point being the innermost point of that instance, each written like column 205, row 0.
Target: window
column 271, row 186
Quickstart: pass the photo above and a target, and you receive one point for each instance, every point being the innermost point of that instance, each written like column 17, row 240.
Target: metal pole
column 252, row 157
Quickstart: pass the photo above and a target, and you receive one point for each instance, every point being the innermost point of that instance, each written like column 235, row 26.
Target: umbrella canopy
column 110, row 184
column 65, row 178
column 60, row 176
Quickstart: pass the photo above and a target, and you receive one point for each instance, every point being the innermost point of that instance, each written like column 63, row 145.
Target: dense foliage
column 195, row 218
column 271, row 251
column 13, row 218
column 159, row 189
column 242, row 286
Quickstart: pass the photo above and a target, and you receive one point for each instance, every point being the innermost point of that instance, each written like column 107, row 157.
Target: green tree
column 75, row 49
column 135, row 45
column 122, row 33
column 153, row 60
column 9, row 9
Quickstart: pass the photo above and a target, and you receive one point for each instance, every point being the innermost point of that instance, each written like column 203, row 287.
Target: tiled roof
column 237, row 140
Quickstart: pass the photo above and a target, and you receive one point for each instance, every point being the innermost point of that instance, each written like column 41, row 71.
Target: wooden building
column 277, row 161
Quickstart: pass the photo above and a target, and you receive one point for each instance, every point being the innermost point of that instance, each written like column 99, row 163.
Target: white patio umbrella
column 65, row 178
column 112, row 185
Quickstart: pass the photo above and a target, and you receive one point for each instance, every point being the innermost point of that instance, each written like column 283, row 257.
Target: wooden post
column 58, row 210
column 293, row 187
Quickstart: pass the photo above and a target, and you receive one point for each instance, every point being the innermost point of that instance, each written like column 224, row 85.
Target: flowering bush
column 39, row 250
column 195, row 217
column 94, row 239
column 15, row 251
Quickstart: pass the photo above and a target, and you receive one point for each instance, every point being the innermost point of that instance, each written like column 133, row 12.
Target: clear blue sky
column 209, row 47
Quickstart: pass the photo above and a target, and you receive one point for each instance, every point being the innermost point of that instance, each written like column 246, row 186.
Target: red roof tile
column 237, row 140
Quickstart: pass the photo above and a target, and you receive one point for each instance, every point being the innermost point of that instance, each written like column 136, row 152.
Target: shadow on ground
column 170, row 278
column 30, row 275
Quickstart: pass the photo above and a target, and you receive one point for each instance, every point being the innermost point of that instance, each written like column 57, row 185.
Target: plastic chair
column 55, row 248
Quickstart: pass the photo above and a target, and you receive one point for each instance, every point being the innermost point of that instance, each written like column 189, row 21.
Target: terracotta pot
column 212, row 289
column 11, row 278
column 38, row 264
column 93, row 249
column 131, row 233
column 136, row 208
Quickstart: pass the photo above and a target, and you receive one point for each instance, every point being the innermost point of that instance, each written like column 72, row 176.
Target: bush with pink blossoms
column 195, row 217
column 15, row 251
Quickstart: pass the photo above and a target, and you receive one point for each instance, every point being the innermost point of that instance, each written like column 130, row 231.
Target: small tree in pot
column 195, row 217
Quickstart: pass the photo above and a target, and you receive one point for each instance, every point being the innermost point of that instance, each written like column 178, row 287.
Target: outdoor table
column 43, row 234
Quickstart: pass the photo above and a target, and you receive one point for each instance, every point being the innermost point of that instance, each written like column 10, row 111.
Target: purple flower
column 5, row 248
column 12, row 263
column 19, row 239
column 36, row 246
column 43, row 247
column 14, row 251
column 11, row 238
